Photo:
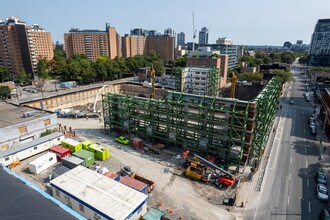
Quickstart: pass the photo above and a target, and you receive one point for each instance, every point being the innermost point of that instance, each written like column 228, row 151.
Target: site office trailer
column 42, row 163
column 99, row 152
column 71, row 144
column 72, row 161
column 87, row 156
column 85, row 144
column 59, row 151
column 30, row 149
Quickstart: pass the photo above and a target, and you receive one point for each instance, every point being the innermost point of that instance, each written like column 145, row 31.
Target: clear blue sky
column 253, row 22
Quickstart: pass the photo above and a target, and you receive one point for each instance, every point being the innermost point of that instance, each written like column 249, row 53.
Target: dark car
column 320, row 177
column 291, row 102
column 324, row 215
column 313, row 131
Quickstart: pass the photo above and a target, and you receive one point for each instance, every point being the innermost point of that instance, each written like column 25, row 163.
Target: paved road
column 288, row 188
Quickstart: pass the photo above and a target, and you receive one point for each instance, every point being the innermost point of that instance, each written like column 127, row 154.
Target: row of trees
column 263, row 58
column 79, row 68
column 282, row 75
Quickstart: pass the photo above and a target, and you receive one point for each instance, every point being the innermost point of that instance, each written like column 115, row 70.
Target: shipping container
column 99, row 152
column 71, row 144
column 87, row 156
column 85, row 144
column 42, row 163
column 135, row 184
column 72, row 161
column 137, row 143
column 60, row 151
column 30, row 148
column 112, row 175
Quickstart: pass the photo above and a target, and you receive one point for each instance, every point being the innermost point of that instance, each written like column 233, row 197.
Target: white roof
column 42, row 158
column 71, row 141
column 103, row 193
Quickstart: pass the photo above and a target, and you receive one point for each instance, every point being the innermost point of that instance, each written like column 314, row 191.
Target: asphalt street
column 288, row 190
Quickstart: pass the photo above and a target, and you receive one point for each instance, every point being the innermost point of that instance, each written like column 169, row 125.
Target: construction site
column 230, row 130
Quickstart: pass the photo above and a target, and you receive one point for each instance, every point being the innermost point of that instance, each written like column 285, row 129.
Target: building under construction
column 230, row 129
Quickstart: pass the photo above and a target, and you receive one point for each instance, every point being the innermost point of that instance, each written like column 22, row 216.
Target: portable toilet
column 60, row 151
column 87, row 156
column 99, row 152
column 71, row 144
column 85, row 144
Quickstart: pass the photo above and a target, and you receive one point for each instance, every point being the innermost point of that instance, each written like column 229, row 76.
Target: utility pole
column 194, row 31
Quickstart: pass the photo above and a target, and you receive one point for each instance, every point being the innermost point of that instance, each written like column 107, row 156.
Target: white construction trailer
column 30, row 149
column 42, row 163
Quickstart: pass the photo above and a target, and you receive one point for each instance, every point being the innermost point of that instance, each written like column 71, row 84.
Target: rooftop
column 29, row 144
column 111, row 198
column 19, row 201
column 12, row 114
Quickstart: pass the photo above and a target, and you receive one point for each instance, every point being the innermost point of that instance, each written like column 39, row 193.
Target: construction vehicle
column 14, row 164
column 197, row 169
column 233, row 85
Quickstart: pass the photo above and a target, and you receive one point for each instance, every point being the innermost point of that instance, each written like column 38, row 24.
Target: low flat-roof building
column 96, row 196
column 20, row 124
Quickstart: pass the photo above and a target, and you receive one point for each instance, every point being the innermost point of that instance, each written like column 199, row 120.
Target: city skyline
column 257, row 23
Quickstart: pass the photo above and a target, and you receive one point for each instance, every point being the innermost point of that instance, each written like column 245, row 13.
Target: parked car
column 126, row 171
column 320, row 177
column 313, row 131
column 312, row 125
column 122, row 140
column 291, row 102
column 322, row 192
column 324, row 214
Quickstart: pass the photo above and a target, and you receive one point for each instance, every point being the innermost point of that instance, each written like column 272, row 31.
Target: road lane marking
column 288, row 200
column 291, row 160
column 306, row 164
column 290, row 177
column 307, row 182
column 306, row 150
column 309, row 207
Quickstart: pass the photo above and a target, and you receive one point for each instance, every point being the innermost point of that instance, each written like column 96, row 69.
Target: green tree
column 24, row 78
column 181, row 61
column 4, row 92
column 101, row 71
column 4, row 74
column 42, row 69
column 250, row 76
column 283, row 75
column 287, row 57
column 59, row 54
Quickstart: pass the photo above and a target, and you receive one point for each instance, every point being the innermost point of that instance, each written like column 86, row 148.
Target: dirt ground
column 176, row 195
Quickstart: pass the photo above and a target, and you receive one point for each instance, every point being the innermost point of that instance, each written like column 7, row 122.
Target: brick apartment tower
column 133, row 45
column 163, row 45
column 21, row 46
column 92, row 43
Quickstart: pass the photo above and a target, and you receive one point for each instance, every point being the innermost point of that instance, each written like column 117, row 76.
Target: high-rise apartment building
column 133, row 45
column 181, row 39
column 163, row 45
column 230, row 50
column 139, row 32
column 224, row 41
column 319, row 52
column 152, row 33
column 169, row 32
column 203, row 36
column 22, row 46
column 92, row 43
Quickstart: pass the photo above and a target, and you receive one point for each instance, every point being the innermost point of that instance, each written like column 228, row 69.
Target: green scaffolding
column 213, row 83
column 204, row 124
column 267, row 106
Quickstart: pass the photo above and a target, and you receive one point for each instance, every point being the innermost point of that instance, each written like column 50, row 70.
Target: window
column 58, row 139
column 7, row 158
column 81, row 207
column 35, row 148
column 50, row 159
column 57, row 193
column 22, row 129
column 47, row 121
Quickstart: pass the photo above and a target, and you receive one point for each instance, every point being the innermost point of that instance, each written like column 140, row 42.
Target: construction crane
column 233, row 85
column 153, row 75
column 194, row 31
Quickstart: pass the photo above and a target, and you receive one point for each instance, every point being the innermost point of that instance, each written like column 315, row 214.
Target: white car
column 312, row 125
column 322, row 192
